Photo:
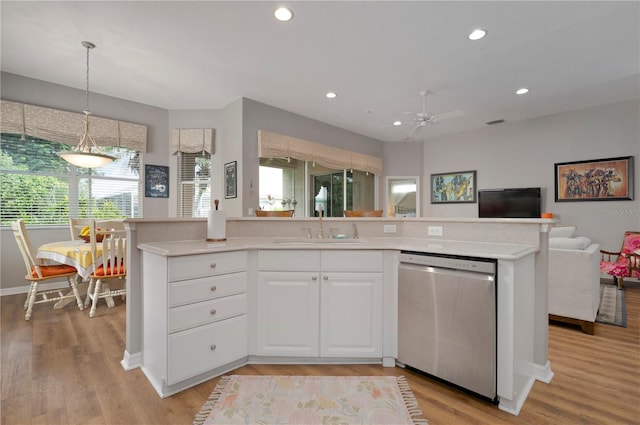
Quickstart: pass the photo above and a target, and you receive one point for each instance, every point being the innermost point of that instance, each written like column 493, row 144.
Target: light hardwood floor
column 64, row 368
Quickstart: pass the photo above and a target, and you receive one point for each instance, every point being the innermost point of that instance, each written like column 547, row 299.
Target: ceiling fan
column 424, row 118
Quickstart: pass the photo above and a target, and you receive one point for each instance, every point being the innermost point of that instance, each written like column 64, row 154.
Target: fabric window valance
column 67, row 127
column 192, row 140
column 273, row 145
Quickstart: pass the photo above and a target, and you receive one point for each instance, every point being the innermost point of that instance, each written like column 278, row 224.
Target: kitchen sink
column 306, row 241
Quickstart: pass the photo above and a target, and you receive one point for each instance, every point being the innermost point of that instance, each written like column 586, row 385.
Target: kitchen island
column 280, row 250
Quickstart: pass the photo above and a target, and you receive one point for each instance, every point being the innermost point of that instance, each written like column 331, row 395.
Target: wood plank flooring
column 64, row 368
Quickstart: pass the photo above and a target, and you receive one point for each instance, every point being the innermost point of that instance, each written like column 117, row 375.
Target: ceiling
column 377, row 56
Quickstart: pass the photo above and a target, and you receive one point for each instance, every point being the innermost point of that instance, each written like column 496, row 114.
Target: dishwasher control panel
column 449, row 262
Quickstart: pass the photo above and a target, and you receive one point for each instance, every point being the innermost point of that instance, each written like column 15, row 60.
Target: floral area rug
column 245, row 399
column 613, row 306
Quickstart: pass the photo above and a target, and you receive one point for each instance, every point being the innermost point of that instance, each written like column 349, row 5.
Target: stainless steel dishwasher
column 447, row 319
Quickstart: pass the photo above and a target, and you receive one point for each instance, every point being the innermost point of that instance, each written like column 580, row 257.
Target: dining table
column 76, row 253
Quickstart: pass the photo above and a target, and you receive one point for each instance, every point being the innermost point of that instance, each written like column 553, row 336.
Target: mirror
column 403, row 196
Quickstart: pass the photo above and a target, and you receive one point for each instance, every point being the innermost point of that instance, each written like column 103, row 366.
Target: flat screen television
column 509, row 203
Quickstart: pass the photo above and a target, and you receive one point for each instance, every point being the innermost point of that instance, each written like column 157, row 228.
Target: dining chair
column 363, row 213
column 113, row 267
column 624, row 263
column 38, row 272
column 284, row 213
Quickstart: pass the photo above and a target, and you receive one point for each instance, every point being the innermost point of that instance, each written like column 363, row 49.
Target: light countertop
column 472, row 249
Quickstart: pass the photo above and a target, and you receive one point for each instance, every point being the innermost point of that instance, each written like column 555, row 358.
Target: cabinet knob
column 314, row 278
column 212, row 265
column 213, row 347
column 213, row 288
column 325, row 277
column 213, row 311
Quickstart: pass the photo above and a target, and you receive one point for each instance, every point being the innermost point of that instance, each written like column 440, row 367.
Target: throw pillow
column 580, row 242
column 562, row 232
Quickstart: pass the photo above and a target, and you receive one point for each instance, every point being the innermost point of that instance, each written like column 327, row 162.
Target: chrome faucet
column 320, row 232
column 355, row 231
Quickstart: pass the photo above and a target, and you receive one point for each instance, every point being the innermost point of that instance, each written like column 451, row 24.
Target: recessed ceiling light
column 283, row 14
column 477, row 34
column 523, row 90
column 397, row 123
column 331, row 95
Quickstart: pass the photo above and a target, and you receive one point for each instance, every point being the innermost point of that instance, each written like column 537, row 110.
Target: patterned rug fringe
column 410, row 402
column 212, row 400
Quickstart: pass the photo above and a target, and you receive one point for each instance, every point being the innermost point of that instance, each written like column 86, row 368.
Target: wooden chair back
column 24, row 245
column 113, row 243
column 284, row 213
column 363, row 213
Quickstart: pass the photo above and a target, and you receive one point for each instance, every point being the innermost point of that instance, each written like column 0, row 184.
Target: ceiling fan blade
column 448, row 115
column 415, row 130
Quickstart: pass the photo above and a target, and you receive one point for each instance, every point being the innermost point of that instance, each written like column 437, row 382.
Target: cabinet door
column 288, row 314
column 351, row 314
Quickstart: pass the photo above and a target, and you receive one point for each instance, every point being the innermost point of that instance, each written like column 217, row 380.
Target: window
column 333, row 190
column 194, row 177
column 41, row 188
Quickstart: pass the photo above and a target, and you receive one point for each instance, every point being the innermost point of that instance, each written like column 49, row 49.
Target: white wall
column 523, row 154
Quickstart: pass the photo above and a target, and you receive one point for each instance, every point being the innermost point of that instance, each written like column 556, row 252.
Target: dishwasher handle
column 443, row 271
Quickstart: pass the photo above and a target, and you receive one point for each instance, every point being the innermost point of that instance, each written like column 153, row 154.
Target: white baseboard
column 25, row 288
column 131, row 361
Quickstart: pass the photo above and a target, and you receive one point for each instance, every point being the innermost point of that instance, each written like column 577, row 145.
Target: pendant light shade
column 86, row 153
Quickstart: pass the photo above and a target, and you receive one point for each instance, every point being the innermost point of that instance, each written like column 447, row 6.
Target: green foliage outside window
column 35, row 184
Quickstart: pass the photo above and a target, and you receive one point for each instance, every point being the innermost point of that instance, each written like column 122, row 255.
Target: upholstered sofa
column 574, row 278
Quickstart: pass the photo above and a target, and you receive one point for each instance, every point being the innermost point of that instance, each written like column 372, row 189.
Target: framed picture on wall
column 230, row 180
column 457, row 187
column 156, row 181
column 609, row 179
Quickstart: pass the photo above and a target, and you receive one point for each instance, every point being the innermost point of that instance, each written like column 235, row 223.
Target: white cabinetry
column 320, row 303
column 195, row 322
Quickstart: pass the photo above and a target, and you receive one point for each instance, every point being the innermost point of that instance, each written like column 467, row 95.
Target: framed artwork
column 156, row 181
column 230, row 180
column 609, row 179
column 457, row 187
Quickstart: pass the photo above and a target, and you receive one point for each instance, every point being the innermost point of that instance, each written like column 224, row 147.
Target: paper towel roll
column 217, row 226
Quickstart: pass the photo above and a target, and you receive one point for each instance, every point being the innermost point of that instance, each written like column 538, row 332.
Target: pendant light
column 86, row 154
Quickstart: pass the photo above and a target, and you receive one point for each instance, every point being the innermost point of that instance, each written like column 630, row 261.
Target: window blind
column 273, row 145
column 194, row 184
column 66, row 127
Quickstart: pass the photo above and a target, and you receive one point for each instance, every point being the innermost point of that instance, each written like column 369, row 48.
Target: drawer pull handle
column 213, row 288
column 212, row 265
column 325, row 277
column 213, row 311
column 213, row 347
column 314, row 278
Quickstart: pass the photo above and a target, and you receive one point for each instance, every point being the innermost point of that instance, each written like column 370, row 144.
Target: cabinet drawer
column 198, row 350
column 352, row 261
column 288, row 260
column 193, row 266
column 192, row 315
column 206, row 288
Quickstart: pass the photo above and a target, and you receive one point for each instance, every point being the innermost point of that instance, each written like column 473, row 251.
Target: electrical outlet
column 250, row 211
column 434, row 231
column 389, row 228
